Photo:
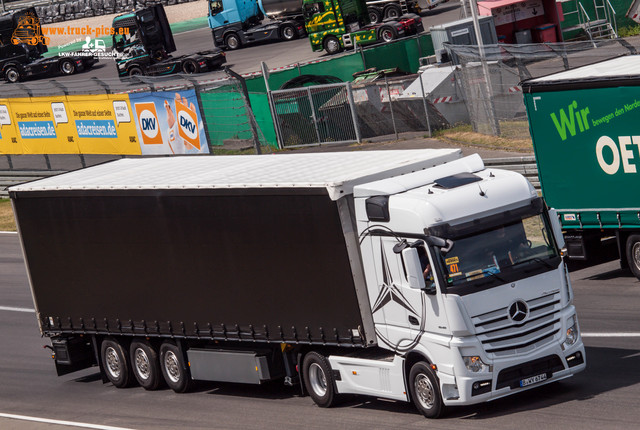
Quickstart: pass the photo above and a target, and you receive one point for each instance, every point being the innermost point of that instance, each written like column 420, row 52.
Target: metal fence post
column 352, row 106
column 247, row 103
column 313, row 114
column 393, row 119
column 424, row 102
column 272, row 106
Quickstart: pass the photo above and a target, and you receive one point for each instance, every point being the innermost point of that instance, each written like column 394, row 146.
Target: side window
column 427, row 270
column 215, row 7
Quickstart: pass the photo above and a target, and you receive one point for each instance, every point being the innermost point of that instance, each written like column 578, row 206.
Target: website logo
column 148, row 123
column 29, row 31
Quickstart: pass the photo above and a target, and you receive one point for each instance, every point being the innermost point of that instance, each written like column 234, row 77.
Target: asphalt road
column 247, row 60
column 603, row 397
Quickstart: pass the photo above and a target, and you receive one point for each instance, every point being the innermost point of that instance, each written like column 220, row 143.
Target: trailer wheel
column 319, row 380
column 633, row 254
column 387, row 33
column 189, row 67
column 115, row 361
column 145, row 365
column 425, row 391
column 12, row 74
column 375, row 14
column 331, row 44
column 392, row 11
column 288, row 32
column 173, row 368
column 232, row 41
column 67, row 67
column 134, row 71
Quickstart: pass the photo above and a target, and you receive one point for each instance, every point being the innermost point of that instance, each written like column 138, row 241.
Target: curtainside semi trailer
column 409, row 275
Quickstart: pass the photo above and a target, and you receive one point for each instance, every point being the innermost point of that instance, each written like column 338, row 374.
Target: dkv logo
column 148, row 123
column 188, row 124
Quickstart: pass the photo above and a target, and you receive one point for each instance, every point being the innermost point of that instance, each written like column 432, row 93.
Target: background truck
column 409, row 275
column 22, row 46
column 333, row 25
column 236, row 23
column 144, row 41
column 584, row 126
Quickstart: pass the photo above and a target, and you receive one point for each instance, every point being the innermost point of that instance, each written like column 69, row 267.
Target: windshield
column 501, row 254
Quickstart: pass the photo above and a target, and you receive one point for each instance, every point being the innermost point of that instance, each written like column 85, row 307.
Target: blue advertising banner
column 169, row 122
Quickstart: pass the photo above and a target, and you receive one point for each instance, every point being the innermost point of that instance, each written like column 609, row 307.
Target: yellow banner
column 85, row 124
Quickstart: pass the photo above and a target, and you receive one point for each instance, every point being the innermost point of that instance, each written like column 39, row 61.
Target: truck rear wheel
column 12, row 74
column 375, row 14
column 331, row 44
column 392, row 11
column 115, row 361
column 145, row 365
column 67, row 67
column 319, row 380
column 425, row 391
column 288, row 32
column 388, row 33
column 173, row 368
column 190, row 66
column 633, row 254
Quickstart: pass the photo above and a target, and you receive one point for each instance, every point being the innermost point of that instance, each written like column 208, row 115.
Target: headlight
column 475, row 364
column 572, row 332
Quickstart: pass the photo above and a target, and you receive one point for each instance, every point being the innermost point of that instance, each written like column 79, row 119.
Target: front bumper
column 551, row 361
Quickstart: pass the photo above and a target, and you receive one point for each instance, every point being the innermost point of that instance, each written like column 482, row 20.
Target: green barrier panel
column 403, row 54
column 620, row 6
column 224, row 115
column 262, row 113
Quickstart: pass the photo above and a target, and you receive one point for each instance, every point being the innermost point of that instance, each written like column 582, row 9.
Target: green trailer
column 585, row 127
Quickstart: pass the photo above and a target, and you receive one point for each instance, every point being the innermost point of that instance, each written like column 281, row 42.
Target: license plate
column 533, row 380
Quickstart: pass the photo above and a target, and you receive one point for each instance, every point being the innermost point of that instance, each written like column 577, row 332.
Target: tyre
column 134, row 71
column 319, row 380
column 190, row 66
column 633, row 254
column 174, row 371
column 375, row 14
column 232, row 41
column 387, row 33
column 392, row 11
column 331, row 44
column 425, row 390
column 115, row 361
column 12, row 74
column 145, row 365
column 288, row 32
column 67, row 67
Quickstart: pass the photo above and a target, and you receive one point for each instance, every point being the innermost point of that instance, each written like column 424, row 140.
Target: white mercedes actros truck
column 409, row 275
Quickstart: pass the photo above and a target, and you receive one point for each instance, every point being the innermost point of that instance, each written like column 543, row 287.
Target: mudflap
column 72, row 354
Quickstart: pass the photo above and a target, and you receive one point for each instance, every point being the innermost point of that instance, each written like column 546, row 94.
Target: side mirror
column 556, row 227
column 414, row 268
column 445, row 245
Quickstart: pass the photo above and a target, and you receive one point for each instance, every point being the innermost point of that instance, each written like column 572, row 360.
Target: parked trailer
column 583, row 124
column 408, row 275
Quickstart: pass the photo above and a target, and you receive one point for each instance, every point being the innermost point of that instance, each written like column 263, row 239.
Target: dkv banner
column 169, row 123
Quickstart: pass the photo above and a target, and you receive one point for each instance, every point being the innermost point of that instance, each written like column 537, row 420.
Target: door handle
column 413, row 320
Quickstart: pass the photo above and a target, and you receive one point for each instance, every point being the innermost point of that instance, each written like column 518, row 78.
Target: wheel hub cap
column 142, row 364
column 113, row 362
column 424, row 391
column 172, row 366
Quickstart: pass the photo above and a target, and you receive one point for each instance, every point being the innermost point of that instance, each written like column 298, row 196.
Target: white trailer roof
column 628, row 65
column 338, row 172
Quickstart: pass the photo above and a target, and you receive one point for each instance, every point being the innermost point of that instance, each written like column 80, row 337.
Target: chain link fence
column 490, row 82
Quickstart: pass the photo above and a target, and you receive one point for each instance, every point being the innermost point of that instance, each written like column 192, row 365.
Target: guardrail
column 526, row 166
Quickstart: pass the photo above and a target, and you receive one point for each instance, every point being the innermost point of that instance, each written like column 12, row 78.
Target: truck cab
column 464, row 272
column 144, row 40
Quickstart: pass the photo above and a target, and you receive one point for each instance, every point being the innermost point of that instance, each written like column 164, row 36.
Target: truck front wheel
column 392, row 11
column 633, row 254
column 134, row 71
column 319, row 380
column 145, row 364
column 425, row 391
column 190, row 67
column 115, row 361
column 331, row 44
column 232, row 41
column 173, row 368
column 375, row 14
